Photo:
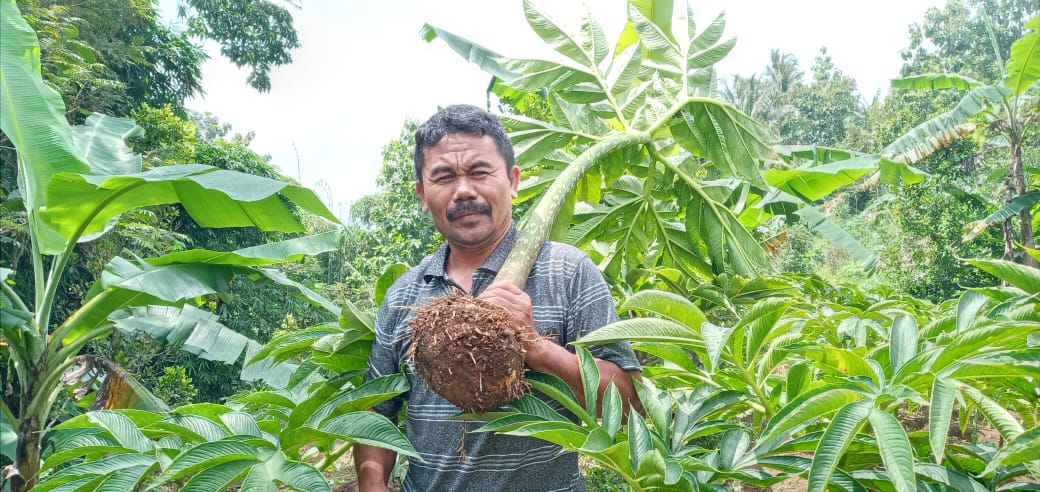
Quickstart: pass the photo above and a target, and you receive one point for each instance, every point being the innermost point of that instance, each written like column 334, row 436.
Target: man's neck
column 464, row 261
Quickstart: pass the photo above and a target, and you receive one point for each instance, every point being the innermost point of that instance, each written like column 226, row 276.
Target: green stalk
column 13, row 296
column 43, row 312
column 54, row 344
column 333, row 456
column 518, row 265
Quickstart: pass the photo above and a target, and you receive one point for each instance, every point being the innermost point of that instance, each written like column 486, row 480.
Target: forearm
column 545, row 356
column 373, row 466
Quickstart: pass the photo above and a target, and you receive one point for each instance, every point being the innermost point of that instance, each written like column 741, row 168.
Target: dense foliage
column 901, row 355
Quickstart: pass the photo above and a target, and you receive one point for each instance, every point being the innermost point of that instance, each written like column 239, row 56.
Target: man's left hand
column 515, row 301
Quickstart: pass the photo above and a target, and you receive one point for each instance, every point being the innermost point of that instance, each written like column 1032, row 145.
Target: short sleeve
column 592, row 307
column 385, row 359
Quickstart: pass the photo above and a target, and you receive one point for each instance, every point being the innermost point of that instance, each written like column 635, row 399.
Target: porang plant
column 284, row 436
column 643, row 167
column 73, row 183
column 661, row 184
column 848, row 390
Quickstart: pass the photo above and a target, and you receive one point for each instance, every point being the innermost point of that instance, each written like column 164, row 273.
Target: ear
column 514, row 180
column 422, row 196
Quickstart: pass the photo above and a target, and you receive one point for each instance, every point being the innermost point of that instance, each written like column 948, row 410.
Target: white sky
column 363, row 70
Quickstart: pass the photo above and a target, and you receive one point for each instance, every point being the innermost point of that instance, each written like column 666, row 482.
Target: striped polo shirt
column 569, row 298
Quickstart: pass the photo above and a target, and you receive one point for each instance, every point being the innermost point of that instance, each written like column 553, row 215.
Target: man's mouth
column 465, row 209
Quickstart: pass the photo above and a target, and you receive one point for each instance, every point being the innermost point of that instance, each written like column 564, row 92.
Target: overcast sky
column 363, row 70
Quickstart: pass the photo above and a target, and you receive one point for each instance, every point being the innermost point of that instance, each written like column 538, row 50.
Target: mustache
column 467, row 207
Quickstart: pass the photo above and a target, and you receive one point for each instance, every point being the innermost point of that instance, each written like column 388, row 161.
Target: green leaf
column 998, row 416
column 1023, row 66
column 8, row 432
column 386, row 279
column 218, row 477
column 1023, row 277
column 192, row 428
column 639, row 439
column 948, row 476
column 940, row 412
column 278, row 470
column 642, row 330
column 32, row 116
column 656, row 37
column 196, row 330
column 612, row 410
column 669, row 305
column 554, row 387
column 816, row 182
column 361, row 398
column 735, row 143
column 371, row 429
column 565, row 434
column 590, row 377
column 895, row 450
column 836, row 439
column 806, row 409
column 208, row 455
column 658, row 12
column 122, row 429
column 1013, row 208
column 902, row 344
column 938, row 132
column 84, row 203
column 101, row 140
column 967, row 307
column 936, row 81
column 484, row 58
column 1021, row 449
column 136, row 464
column 262, row 255
column 88, row 444
column 838, row 361
column 587, row 47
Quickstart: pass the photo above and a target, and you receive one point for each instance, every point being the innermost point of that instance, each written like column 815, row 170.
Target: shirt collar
column 493, row 263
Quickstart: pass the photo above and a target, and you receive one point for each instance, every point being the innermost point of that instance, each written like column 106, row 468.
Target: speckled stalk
column 518, row 265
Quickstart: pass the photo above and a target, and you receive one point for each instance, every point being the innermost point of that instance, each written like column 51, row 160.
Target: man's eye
column 478, row 174
column 444, row 178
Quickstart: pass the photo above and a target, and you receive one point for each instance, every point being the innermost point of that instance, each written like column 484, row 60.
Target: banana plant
column 1003, row 111
column 74, row 183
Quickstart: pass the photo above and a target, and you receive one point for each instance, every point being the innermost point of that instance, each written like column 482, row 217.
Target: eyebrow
column 447, row 168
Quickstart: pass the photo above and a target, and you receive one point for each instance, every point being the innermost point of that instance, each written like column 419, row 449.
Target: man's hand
column 514, row 300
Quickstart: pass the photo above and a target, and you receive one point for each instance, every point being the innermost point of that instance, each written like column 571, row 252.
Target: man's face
column 467, row 190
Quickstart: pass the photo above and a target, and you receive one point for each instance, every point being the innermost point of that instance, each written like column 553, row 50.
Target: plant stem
column 43, row 312
column 54, row 344
column 518, row 265
column 333, row 456
column 12, row 295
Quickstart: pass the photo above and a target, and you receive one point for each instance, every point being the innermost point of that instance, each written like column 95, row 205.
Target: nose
column 464, row 189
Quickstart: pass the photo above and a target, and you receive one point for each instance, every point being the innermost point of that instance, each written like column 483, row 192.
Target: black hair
column 464, row 119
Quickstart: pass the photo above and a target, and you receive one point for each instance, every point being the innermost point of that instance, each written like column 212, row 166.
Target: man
column 466, row 180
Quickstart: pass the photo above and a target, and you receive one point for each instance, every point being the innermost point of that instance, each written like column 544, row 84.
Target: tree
column 254, row 33
column 1005, row 113
column 69, row 197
